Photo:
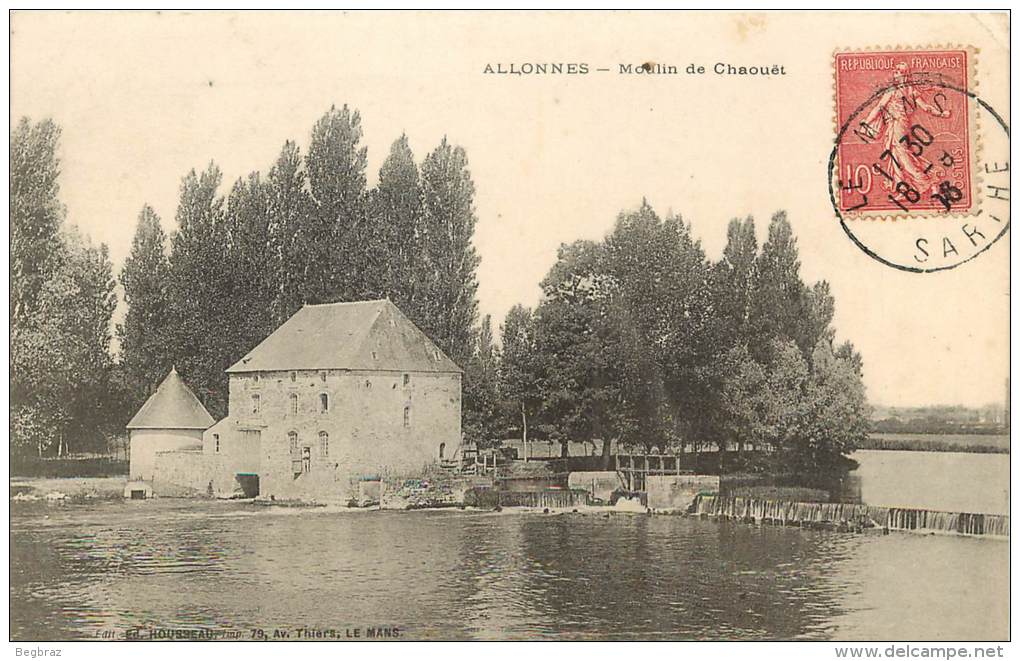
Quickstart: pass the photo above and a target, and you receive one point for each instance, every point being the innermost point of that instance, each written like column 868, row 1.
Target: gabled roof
column 172, row 406
column 363, row 335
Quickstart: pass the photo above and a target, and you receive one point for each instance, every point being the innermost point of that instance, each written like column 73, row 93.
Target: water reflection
column 455, row 575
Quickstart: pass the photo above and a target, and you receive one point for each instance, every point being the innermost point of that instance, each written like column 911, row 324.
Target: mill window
column 323, row 403
column 407, row 380
column 407, row 416
column 293, row 377
column 292, row 440
column 256, row 404
column 324, row 443
column 293, row 403
column 216, row 441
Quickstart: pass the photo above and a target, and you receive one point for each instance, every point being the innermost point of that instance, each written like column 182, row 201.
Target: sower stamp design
column 907, row 150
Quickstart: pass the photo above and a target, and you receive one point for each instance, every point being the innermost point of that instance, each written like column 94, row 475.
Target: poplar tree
column 35, row 218
column 395, row 221
column 35, row 213
column 252, row 280
column 447, row 273
column 199, row 266
column 332, row 236
column 778, row 304
column 291, row 223
column 733, row 284
column 145, row 351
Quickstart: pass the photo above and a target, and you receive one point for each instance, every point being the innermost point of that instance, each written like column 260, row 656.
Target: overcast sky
column 143, row 98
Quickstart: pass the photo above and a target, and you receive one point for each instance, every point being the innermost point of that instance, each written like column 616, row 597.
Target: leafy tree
column 145, row 351
column 836, row 415
column 62, row 302
column 847, row 353
column 482, row 419
column 518, row 371
column 88, row 310
column 819, row 308
column 578, row 349
column 743, row 399
column 638, row 339
column 448, row 269
column 62, row 354
column 783, row 396
column 663, row 307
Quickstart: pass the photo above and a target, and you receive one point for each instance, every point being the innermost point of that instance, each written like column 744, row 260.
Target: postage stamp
column 906, row 144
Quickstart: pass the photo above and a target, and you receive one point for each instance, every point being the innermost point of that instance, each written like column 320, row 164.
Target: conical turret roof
column 172, row 406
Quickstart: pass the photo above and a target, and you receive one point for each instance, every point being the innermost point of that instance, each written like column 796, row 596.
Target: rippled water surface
column 83, row 570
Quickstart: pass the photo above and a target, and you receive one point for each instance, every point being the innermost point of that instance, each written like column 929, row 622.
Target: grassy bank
column 68, row 467
column 978, row 443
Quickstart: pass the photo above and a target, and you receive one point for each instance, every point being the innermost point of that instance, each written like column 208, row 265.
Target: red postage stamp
column 904, row 134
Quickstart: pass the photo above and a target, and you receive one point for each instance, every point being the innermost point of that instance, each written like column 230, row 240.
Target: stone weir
column 848, row 516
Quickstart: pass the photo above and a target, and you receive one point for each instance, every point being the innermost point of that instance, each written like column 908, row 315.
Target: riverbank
column 976, row 443
column 76, row 466
column 66, row 488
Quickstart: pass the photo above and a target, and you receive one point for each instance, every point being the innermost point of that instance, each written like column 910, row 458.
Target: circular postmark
column 919, row 175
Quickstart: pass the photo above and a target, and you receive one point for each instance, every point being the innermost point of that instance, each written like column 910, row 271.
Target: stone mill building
column 339, row 394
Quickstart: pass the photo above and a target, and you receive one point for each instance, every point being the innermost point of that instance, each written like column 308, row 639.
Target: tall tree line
column 639, row 339
column 309, row 231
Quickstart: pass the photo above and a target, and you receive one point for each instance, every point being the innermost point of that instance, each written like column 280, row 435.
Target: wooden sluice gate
column 635, row 468
column 850, row 515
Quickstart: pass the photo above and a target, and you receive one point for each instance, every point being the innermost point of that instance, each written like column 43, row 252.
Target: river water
column 81, row 571
column 942, row 481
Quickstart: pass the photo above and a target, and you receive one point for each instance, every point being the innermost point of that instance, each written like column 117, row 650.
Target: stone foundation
column 600, row 485
column 678, row 492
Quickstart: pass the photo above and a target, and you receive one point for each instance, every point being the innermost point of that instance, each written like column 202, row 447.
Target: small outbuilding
column 171, row 420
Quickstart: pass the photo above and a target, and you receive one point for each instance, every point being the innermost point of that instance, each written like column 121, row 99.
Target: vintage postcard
column 510, row 326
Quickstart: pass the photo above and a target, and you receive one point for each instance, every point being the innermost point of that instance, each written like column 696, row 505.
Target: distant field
column 990, row 443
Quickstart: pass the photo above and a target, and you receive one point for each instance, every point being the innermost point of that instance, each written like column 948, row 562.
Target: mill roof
column 172, row 406
column 361, row 335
